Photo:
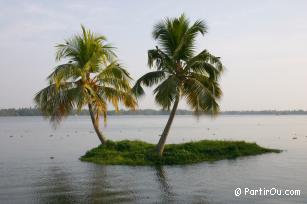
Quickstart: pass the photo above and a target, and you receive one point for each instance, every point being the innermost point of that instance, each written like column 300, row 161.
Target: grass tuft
column 141, row 153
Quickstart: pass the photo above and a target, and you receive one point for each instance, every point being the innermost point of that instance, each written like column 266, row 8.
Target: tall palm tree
column 180, row 73
column 91, row 76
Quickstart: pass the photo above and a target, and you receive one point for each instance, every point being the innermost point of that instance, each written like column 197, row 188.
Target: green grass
column 141, row 153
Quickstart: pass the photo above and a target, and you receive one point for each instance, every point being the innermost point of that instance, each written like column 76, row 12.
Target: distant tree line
column 36, row 112
column 266, row 112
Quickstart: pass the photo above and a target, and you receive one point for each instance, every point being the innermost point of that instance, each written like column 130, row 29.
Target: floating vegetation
column 141, row 153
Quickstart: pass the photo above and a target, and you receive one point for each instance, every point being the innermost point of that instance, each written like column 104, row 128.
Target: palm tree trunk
column 95, row 122
column 161, row 143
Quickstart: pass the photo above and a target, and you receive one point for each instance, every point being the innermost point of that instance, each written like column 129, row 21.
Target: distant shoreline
column 36, row 112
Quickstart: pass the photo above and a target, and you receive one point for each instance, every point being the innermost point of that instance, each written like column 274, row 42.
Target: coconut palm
column 180, row 73
column 91, row 77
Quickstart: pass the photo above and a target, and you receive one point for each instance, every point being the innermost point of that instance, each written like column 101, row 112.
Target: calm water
column 28, row 175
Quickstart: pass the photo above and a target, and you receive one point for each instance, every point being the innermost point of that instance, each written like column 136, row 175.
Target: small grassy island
column 141, row 153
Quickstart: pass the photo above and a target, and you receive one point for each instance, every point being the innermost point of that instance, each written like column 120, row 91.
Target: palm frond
column 114, row 70
column 167, row 91
column 56, row 102
column 200, row 97
column 205, row 63
column 210, row 84
column 65, row 72
column 161, row 60
column 147, row 79
column 116, row 96
column 87, row 50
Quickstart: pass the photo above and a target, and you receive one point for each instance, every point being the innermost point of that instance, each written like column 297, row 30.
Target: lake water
column 28, row 175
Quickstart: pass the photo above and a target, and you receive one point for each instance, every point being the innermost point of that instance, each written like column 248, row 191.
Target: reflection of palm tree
column 56, row 188
column 104, row 184
column 166, row 189
column 102, row 187
column 168, row 194
column 98, row 184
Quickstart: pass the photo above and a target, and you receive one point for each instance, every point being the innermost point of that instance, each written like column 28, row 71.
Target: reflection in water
column 107, row 184
column 167, row 193
column 166, row 189
column 105, row 188
column 95, row 185
column 55, row 187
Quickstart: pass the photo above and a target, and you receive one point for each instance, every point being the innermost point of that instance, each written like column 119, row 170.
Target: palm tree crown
column 92, row 76
column 181, row 73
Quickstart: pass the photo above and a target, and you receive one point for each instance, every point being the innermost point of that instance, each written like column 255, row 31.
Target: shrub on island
column 141, row 153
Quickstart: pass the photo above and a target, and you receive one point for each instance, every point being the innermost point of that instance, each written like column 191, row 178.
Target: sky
column 263, row 45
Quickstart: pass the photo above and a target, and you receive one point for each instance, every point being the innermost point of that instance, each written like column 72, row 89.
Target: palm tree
column 179, row 72
column 92, row 76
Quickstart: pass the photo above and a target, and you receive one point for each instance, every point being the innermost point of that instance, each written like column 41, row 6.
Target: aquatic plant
column 141, row 153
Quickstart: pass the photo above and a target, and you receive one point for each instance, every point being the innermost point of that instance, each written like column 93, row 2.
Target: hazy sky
column 263, row 45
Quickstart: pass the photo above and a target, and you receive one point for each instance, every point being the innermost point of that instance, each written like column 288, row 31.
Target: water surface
column 29, row 175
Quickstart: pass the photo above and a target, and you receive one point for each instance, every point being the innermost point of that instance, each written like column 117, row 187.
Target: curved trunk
column 161, row 143
column 95, row 121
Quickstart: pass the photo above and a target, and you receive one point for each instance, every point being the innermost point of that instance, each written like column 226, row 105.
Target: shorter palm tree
column 92, row 76
column 180, row 73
